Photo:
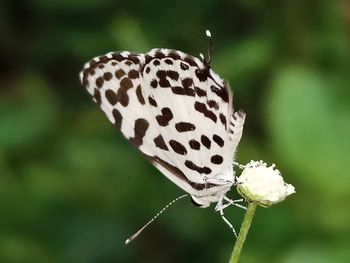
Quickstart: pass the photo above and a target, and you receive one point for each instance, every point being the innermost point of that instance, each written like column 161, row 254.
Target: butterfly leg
column 228, row 222
column 234, row 202
column 220, row 208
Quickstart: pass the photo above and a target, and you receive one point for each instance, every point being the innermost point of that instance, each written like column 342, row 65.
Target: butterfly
column 177, row 112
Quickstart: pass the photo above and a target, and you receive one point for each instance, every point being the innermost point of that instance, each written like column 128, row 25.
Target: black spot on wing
column 168, row 61
column 187, row 82
column 93, row 63
column 189, row 60
column 117, row 119
column 134, row 58
column 159, row 54
column 223, row 119
column 174, row 55
column 195, row 145
column 202, row 75
column 200, row 92
column 173, row 74
column 119, row 73
column 133, row 74
column 86, row 73
column 219, row 141
column 160, row 143
column 202, row 108
column 122, row 96
column 185, row 126
column 148, row 58
column 216, row 159
column 221, row 92
column 107, row 76
column 165, row 117
column 103, row 59
column 183, row 91
column 184, row 66
column 213, row 104
column 140, row 98
column 140, row 127
column 202, row 170
column 97, row 96
column 178, row 147
column 128, row 62
column 206, row 141
column 154, row 83
column 111, row 97
column 152, row 101
column 163, row 82
column 99, row 82
column 162, row 75
column 117, row 56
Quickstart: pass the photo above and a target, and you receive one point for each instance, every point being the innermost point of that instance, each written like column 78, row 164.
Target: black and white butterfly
column 177, row 112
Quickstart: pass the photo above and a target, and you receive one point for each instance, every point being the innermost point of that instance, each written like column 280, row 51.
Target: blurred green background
column 72, row 189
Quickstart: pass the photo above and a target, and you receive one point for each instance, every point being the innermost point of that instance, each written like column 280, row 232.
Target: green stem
column 243, row 232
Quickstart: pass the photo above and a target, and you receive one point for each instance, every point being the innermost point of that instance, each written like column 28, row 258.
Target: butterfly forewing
column 173, row 108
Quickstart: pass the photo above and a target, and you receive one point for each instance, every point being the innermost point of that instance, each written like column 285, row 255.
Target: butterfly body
column 176, row 111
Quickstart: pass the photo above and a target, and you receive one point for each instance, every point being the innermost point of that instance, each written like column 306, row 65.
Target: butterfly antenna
column 210, row 48
column 154, row 218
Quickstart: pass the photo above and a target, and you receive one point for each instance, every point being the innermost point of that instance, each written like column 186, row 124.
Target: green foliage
column 72, row 190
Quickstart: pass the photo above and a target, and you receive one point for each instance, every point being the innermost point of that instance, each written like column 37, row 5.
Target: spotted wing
column 114, row 82
column 193, row 109
column 173, row 108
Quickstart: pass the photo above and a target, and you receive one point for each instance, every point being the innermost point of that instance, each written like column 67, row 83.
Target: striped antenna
column 210, row 48
column 154, row 218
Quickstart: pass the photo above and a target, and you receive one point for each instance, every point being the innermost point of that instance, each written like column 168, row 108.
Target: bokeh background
column 72, row 189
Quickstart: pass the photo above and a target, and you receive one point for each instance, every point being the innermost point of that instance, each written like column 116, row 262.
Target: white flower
column 262, row 184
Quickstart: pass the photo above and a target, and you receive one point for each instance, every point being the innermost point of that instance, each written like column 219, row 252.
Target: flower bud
column 263, row 184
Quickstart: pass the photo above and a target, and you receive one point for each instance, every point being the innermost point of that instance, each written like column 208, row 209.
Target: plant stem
column 248, row 217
